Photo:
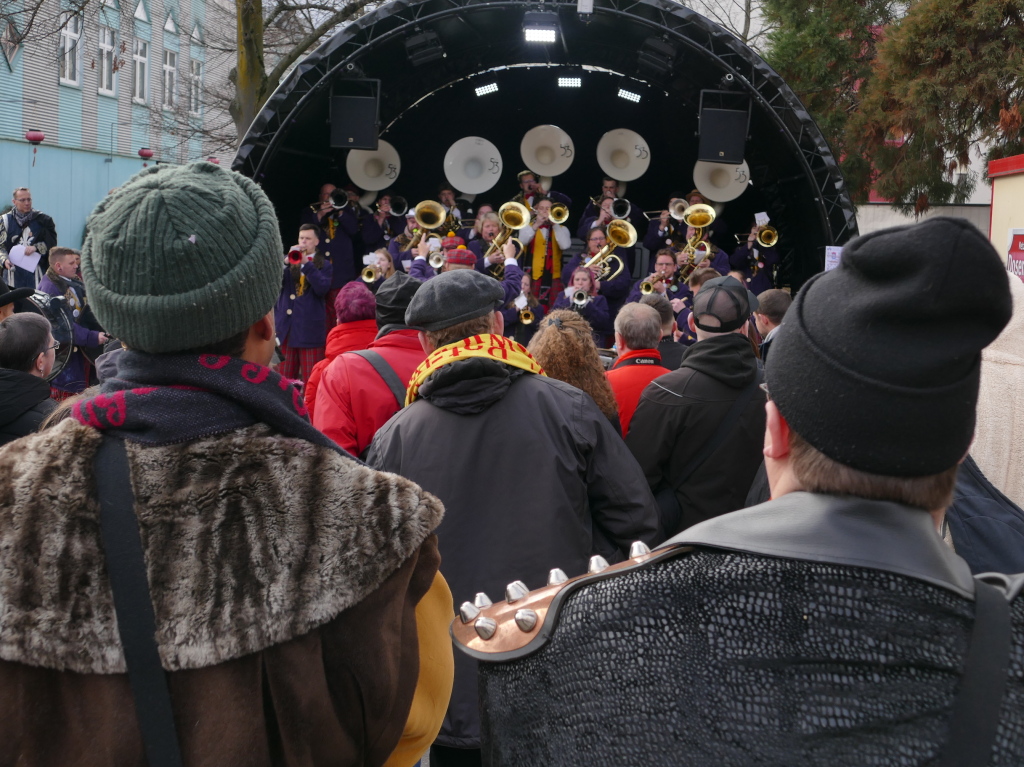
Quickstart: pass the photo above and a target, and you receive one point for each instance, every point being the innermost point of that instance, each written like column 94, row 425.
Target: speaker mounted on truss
column 723, row 126
column 355, row 114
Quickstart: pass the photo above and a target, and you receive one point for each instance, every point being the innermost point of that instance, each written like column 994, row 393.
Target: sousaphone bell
column 623, row 154
column 472, row 165
column 719, row 182
column 547, row 150
column 373, row 170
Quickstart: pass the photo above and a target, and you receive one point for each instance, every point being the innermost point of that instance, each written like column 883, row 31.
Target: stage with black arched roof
column 431, row 56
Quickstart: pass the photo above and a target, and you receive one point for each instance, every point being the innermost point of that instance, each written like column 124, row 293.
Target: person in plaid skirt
column 300, row 311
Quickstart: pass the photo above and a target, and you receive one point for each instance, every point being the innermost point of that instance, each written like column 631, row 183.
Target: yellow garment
column 488, row 345
column 540, row 253
column 437, row 670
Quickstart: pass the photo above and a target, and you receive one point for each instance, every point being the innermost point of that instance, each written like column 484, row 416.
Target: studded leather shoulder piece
column 521, row 624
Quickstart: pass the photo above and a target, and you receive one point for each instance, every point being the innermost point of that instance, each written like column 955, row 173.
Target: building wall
column 92, row 139
column 874, row 216
column 1007, row 200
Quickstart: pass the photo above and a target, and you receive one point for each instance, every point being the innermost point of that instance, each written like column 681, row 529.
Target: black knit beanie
column 877, row 362
column 393, row 297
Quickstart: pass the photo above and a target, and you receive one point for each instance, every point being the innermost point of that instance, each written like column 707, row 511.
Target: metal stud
column 597, row 564
column 526, row 619
column 515, row 591
column 485, row 627
column 639, row 549
column 557, row 577
column 468, row 611
column 481, row 600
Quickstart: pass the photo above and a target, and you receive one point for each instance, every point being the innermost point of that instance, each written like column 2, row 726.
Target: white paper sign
column 18, row 258
column 833, row 254
column 520, row 302
column 370, row 259
column 407, row 263
column 761, row 219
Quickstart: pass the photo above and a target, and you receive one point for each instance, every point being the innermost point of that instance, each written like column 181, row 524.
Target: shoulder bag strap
column 972, row 729
column 385, row 371
column 723, row 430
column 136, row 622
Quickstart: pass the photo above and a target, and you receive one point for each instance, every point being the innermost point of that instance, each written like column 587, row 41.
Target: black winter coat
column 527, row 467
column 679, row 412
column 24, row 403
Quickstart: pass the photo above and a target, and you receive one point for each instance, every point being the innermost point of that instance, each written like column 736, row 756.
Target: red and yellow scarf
column 489, row 346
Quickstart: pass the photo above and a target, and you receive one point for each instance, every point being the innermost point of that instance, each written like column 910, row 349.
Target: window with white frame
column 195, row 88
column 170, row 78
column 106, row 61
column 70, row 51
column 140, row 71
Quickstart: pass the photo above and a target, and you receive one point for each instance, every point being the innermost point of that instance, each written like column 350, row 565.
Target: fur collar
column 251, row 539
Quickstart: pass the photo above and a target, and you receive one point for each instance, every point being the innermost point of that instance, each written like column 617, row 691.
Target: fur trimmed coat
column 285, row 579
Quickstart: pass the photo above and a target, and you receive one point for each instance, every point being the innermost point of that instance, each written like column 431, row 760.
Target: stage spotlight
column 483, row 90
column 629, row 95
column 570, row 82
column 540, row 26
column 424, row 47
column 656, row 56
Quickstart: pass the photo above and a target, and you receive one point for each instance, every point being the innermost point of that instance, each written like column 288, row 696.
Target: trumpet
column 620, row 234
column 526, row 317
column 647, row 286
column 767, row 236
column 370, row 274
column 580, row 299
column 436, row 259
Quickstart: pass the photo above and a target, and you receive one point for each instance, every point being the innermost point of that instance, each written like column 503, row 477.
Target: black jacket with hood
column 25, row 403
column 679, row 412
column 531, row 475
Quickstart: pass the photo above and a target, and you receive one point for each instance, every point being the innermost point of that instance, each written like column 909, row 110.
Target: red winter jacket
column 346, row 337
column 353, row 401
column 629, row 377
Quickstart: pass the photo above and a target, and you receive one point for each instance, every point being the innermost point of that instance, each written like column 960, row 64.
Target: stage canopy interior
column 432, row 56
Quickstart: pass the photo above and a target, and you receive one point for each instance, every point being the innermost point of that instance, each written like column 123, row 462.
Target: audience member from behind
column 290, row 575
column 772, row 307
column 698, row 453
column 637, row 332
column 355, row 309
column 26, row 358
column 11, row 298
column 360, row 391
column 564, row 347
column 830, row 625
column 529, row 470
column 671, row 351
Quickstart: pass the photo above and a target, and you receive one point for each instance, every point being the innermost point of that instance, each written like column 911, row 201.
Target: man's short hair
column 523, row 173
column 700, row 276
column 20, row 189
column 474, row 327
column 662, row 306
column 59, row 253
column 311, row 228
column 639, row 325
column 817, row 473
column 774, row 304
column 443, row 187
column 23, row 337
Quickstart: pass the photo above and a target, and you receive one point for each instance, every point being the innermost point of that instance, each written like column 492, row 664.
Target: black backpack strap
column 972, row 729
column 385, row 371
column 723, row 431
column 136, row 622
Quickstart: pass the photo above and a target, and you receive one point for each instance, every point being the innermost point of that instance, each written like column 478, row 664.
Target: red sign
column 1015, row 257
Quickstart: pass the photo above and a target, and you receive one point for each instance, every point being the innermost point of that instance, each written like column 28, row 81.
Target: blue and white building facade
column 101, row 85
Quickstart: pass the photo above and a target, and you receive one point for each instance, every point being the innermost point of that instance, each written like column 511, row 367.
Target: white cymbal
column 720, row 182
column 623, row 154
column 373, row 170
column 547, row 150
column 472, row 165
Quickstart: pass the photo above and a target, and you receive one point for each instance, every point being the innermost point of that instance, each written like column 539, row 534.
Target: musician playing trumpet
column 664, row 280
column 401, row 248
column 523, row 314
column 614, row 290
column 755, row 262
column 455, row 255
column 582, row 296
column 489, row 225
column 544, row 241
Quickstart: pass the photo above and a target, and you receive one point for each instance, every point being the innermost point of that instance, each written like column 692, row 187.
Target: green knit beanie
column 182, row 256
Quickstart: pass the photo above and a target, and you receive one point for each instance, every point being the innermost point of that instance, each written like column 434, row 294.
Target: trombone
column 676, row 210
column 767, row 236
column 620, row 234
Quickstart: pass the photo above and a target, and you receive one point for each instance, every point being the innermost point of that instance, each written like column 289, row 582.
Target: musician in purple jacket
column 300, row 313
column 757, row 263
column 615, row 290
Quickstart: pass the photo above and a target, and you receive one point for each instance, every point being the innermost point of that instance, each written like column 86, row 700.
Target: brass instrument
column 621, row 207
column 513, row 215
column 767, row 236
column 580, row 299
column 526, row 317
column 675, row 210
column 620, row 234
column 399, row 206
column 436, row 260
column 429, row 216
column 559, row 213
column 371, row 274
column 694, row 262
column 647, row 286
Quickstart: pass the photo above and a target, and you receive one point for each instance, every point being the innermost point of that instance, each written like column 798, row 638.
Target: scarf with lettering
column 489, row 347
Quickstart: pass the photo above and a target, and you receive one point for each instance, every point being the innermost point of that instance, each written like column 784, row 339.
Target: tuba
column 621, row 234
column 429, row 216
column 513, row 215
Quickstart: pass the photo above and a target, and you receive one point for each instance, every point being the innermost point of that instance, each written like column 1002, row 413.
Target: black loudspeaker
column 353, row 122
column 723, row 135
